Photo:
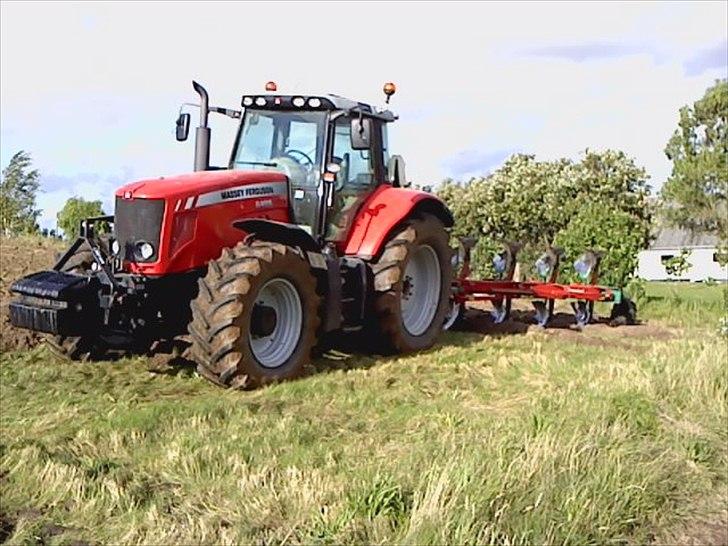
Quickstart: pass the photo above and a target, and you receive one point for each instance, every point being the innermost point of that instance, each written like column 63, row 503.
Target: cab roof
column 314, row 102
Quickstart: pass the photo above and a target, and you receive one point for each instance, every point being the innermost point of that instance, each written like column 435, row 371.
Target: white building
column 703, row 258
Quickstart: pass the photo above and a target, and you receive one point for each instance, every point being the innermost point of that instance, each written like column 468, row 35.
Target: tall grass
column 523, row 439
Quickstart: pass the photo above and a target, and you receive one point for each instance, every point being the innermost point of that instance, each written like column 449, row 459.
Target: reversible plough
column 543, row 293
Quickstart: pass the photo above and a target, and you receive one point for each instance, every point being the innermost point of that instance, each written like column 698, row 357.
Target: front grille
column 136, row 221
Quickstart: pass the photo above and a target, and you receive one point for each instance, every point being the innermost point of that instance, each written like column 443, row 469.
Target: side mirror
column 361, row 133
column 183, row 127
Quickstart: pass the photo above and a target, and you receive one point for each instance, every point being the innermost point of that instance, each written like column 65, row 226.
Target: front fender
column 279, row 232
column 383, row 211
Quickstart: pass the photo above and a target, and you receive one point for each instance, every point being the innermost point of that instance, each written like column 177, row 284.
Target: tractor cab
column 332, row 150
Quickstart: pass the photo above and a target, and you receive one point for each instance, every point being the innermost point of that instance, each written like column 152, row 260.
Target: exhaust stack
column 202, row 133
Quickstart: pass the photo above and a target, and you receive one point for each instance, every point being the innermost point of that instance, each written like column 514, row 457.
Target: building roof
column 679, row 238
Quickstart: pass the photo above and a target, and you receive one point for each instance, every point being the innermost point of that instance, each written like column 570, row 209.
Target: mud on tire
column 426, row 238
column 223, row 327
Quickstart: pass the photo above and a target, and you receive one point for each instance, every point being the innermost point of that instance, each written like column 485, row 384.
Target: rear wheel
column 256, row 316
column 412, row 281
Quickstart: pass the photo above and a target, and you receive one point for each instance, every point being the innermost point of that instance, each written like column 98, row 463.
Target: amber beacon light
column 389, row 89
column 271, row 86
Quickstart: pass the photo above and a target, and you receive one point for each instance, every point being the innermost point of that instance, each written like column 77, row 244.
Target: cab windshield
column 289, row 142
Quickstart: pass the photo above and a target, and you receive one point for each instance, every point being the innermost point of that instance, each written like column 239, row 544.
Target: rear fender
column 386, row 208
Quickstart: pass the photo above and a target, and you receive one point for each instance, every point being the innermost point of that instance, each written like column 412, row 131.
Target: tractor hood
column 196, row 184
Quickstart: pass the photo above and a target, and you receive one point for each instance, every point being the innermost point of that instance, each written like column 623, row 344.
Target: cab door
column 361, row 171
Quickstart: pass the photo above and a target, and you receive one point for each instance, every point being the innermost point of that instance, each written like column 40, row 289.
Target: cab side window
column 357, row 167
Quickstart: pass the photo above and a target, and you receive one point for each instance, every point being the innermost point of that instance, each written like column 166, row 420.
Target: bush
column 598, row 203
column 611, row 232
column 678, row 265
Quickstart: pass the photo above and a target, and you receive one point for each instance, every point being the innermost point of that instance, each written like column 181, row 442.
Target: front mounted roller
column 255, row 318
column 78, row 348
column 92, row 345
column 412, row 282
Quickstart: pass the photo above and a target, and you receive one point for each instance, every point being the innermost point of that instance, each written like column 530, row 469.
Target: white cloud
column 94, row 87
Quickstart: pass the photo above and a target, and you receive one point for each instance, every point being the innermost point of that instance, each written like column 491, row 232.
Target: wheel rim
column 420, row 290
column 272, row 351
column 452, row 314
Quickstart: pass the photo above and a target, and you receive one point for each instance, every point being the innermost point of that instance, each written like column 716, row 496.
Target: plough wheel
column 623, row 313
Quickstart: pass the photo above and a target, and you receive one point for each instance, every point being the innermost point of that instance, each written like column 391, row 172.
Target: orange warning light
column 389, row 89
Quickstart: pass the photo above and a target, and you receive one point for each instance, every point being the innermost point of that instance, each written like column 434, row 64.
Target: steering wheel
column 303, row 159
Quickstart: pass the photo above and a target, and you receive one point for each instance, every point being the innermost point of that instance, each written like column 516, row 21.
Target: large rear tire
column 412, row 280
column 255, row 318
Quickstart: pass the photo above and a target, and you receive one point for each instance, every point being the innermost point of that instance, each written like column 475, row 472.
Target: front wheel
column 255, row 318
column 412, row 281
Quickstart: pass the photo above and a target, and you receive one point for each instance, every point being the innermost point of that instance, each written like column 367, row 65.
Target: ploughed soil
column 600, row 332
column 20, row 256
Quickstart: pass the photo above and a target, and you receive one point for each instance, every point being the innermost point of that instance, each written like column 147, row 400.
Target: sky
column 91, row 90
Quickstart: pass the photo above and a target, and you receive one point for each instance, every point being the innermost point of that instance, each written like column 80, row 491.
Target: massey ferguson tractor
column 306, row 231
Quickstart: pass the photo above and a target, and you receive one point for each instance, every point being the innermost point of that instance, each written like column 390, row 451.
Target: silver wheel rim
column 420, row 290
column 452, row 314
column 273, row 350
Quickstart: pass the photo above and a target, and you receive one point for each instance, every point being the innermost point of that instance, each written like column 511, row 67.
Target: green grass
column 681, row 303
column 604, row 437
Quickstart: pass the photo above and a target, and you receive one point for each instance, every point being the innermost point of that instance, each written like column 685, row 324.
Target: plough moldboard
column 543, row 292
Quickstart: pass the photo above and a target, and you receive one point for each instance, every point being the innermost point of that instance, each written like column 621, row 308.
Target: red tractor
column 307, row 231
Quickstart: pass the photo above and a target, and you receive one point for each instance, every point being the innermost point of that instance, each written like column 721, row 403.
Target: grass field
column 601, row 437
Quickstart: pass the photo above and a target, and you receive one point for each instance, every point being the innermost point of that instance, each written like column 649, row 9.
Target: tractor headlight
column 247, row 101
column 314, row 102
column 260, row 101
column 115, row 247
column 298, row 101
column 145, row 250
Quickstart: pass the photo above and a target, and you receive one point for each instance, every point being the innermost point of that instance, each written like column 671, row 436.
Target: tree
column 599, row 203
column 74, row 211
column 696, row 194
column 18, row 189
